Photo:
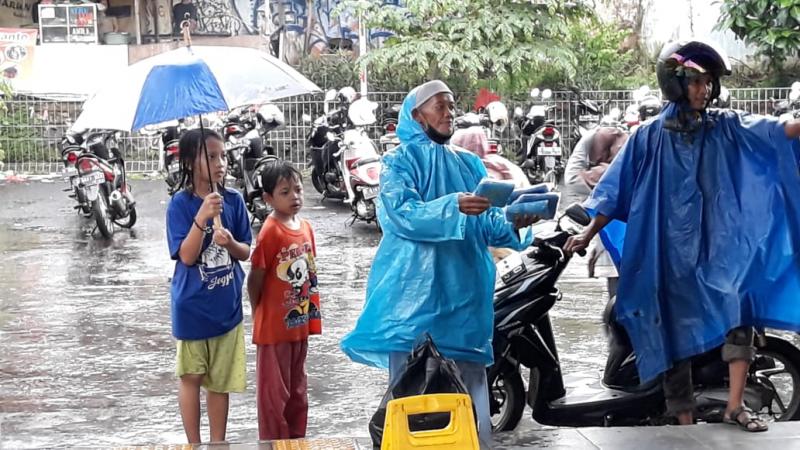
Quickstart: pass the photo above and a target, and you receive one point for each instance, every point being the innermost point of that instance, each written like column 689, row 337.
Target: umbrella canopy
column 190, row 81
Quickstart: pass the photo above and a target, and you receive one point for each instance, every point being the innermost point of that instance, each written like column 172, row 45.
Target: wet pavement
column 87, row 354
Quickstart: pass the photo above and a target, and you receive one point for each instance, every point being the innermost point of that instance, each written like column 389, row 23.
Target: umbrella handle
column 186, row 30
column 217, row 223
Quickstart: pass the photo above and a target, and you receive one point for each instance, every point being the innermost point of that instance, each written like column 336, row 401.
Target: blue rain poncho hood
column 433, row 271
column 712, row 240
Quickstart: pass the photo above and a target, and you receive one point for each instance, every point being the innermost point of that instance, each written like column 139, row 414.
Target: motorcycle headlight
column 330, row 136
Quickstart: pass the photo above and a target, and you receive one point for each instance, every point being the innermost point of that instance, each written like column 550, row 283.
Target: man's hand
column 522, row 221
column 472, row 205
column 592, row 176
column 577, row 243
column 792, row 128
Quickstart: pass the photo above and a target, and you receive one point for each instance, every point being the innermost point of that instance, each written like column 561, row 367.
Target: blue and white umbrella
column 187, row 82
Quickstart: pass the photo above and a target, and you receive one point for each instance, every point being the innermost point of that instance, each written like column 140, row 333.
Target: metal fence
column 31, row 129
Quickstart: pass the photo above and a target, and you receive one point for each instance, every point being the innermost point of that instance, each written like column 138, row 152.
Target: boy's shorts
column 221, row 359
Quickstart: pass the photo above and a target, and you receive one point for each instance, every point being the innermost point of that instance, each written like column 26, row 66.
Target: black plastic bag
column 427, row 372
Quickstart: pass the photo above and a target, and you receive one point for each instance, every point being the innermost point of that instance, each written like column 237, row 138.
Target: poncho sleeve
column 497, row 231
column 403, row 211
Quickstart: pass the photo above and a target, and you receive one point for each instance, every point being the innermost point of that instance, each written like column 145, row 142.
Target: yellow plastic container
column 459, row 434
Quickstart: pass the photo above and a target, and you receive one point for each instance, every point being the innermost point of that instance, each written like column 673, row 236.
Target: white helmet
column 271, row 114
column 498, row 114
column 362, row 112
column 348, row 93
column 631, row 115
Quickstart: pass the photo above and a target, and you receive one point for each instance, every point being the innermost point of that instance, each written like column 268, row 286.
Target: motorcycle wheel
column 101, row 215
column 129, row 221
column 507, row 396
column 317, row 181
column 783, row 376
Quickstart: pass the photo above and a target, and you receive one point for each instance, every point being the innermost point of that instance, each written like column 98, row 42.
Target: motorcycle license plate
column 174, row 168
column 93, row 179
column 371, row 192
column 510, row 268
column 549, row 151
column 68, row 173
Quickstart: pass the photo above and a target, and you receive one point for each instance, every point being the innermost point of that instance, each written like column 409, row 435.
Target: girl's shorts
column 221, row 359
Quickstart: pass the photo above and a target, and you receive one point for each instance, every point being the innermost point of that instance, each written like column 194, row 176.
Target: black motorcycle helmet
column 649, row 107
column 700, row 56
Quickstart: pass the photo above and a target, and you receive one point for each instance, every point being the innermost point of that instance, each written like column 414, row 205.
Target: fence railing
column 32, row 128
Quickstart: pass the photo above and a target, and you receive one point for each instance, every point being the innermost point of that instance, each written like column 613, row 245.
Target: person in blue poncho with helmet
column 712, row 245
column 433, row 271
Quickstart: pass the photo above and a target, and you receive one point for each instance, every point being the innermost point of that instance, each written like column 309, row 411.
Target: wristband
column 206, row 230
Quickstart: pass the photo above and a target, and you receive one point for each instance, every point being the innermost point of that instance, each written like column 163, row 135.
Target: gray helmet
column 698, row 55
column 649, row 106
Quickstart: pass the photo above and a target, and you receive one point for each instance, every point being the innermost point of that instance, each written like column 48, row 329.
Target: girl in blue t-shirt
column 207, row 283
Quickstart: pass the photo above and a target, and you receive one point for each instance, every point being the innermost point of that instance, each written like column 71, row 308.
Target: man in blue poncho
column 713, row 233
column 433, row 271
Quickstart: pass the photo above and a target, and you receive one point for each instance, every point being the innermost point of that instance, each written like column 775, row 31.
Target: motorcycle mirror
column 578, row 214
column 547, row 93
column 518, row 112
column 306, row 118
column 534, row 92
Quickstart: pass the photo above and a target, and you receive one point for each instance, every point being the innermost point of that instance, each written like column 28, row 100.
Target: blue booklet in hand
column 541, row 188
column 535, row 200
column 543, row 205
column 497, row 192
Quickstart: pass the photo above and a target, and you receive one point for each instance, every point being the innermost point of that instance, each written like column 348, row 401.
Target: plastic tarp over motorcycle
column 433, row 271
column 713, row 233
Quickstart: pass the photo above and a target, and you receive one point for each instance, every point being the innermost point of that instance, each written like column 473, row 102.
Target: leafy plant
column 507, row 46
column 5, row 93
column 772, row 26
column 505, row 42
column 17, row 136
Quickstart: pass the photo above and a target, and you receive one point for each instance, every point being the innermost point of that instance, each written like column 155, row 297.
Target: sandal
column 751, row 423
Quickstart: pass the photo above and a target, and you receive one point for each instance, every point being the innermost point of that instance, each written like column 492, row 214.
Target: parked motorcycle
column 790, row 107
column 723, row 101
column 345, row 162
column 586, row 116
column 542, row 154
column 389, row 138
column 95, row 171
column 645, row 106
column 169, row 135
column 244, row 133
column 525, row 293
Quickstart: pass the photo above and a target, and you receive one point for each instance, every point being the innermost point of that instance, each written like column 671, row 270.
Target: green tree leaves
column 773, row 27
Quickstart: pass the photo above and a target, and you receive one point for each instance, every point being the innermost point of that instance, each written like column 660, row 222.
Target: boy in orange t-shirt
column 282, row 285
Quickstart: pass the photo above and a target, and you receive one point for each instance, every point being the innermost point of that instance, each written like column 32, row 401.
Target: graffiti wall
column 309, row 25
